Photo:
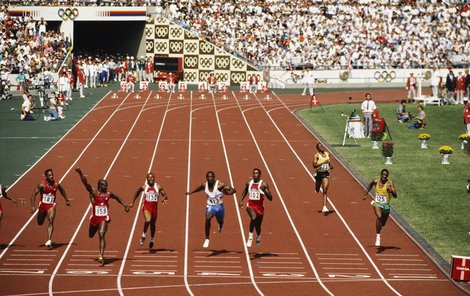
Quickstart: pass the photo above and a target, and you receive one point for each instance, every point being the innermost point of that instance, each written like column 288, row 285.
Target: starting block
column 224, row 97
column 202, row 97
column 247, row 97
column 157, row 96
column 137, row 96
column 267, row 97
column 180, row 97
column 114, row 96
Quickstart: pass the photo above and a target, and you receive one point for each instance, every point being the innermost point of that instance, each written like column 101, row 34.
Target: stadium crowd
column 28, row 49
column 333, row 34
column 323, row 34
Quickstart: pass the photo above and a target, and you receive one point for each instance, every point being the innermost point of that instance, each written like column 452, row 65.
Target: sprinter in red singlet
column 47, row 206
column 100, row 218
column 151, row 193
column 257, row 190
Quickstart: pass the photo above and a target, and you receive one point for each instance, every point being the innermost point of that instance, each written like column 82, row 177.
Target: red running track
column 302, row 252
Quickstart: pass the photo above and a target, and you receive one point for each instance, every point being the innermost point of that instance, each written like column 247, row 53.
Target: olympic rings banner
column 200, row 58
column 384, row 75
column 67, row 13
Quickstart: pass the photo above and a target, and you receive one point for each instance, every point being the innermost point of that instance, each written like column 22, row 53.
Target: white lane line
column 281, row 267
column 93, row 265
column 215, row 261
column 211, row 266
column 131, row 234
column 33, row 255
column 13, row 240
column 154, row 265
column 406, row 260
column 280, row 262
column 416, row 269
column 216, row 258
column 94, row 251
column 342, row 259
column 401, row 264
column 26, row 264
column 347, row 268
column 169, row 261
column 153, row 256
column 396, row 255
column 85, row 215
column 29, row 259
column 326, row 254
column 286, row 210
column 340, row 263
column 39, row 251
column 329, row 200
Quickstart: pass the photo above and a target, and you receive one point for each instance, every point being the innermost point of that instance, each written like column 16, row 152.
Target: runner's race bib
column 380, row 198
column 212, row 201
column 48, row 198
column 152, row 197
column 255, row 195
column 325, row 167
column 101, row 211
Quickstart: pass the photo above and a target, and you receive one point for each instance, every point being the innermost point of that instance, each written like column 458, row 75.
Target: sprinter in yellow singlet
column 322, row 165
column 384, row 190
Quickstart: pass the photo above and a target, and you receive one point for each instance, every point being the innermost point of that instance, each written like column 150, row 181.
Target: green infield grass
column 432, row 198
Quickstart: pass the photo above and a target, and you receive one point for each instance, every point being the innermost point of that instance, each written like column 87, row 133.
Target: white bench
column 429, row 100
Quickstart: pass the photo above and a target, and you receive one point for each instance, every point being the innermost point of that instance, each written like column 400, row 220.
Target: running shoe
column 221, row 228
column 142, row 240
column 258, row 240
column 48, row 244
column 151, row 243
column 325, row 210
column 101, row 260
column 377, row 241
column 249, row 242
column 206, row 243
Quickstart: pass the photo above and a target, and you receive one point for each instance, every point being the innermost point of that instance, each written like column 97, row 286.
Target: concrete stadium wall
column 353, row 78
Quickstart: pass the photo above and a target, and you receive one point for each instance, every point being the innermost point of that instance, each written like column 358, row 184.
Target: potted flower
column 424, row 140
column 387, row 151
column 464, row 140
column 445, row 151
column 375, row 138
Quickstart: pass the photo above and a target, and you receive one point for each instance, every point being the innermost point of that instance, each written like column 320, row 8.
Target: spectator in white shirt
column 368, row 107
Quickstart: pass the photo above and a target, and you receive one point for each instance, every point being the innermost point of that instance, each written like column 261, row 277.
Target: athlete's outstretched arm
column 197, row 189
column 5, row 195
column 64, row 194
column 226, row 189
column 120, row 200
column 88, row 187
column 136, row 195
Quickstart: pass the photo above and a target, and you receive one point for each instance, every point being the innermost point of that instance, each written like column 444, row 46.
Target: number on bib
column 152, row 197
column 325, row 167
column 255, row 195
column 101, row 211
column 380, row 198
column 213, row 201
column 48, row 198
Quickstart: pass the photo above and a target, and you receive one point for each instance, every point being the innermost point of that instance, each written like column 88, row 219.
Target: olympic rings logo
column 385, row 76
column 68, row 13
